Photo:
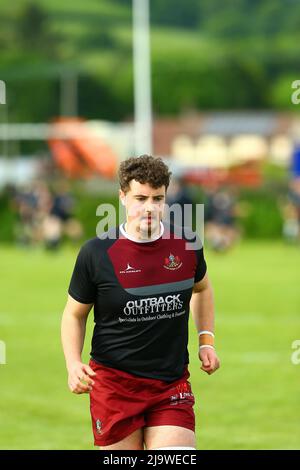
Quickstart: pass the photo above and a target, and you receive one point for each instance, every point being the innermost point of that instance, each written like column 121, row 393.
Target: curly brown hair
column 144, row 169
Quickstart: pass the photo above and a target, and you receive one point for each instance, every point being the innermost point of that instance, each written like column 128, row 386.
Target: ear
column 122, row 197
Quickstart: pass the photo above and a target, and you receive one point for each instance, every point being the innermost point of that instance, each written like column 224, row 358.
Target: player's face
column 144, row 207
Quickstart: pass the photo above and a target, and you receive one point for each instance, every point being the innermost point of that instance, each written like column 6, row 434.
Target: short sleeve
column 82, row 288
column 195, row 244
column 201, row 267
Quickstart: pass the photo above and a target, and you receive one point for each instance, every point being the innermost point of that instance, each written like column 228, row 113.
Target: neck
column 136, row 234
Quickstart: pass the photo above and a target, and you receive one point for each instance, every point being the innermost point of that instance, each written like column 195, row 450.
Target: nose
column 149, row 207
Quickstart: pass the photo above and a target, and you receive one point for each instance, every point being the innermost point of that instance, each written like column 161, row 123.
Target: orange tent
column 79, row 153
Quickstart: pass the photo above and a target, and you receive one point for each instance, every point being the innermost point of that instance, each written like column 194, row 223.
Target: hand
column 209, row 359
column 79, row 379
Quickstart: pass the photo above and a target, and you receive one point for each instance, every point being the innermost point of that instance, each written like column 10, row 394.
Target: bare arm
column 73, row 328
column 202, row 305
column 202, row 308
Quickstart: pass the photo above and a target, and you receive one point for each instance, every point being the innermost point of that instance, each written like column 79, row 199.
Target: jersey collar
column 126, row 235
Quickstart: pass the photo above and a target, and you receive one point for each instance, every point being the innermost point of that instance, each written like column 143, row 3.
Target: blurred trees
column 33, row 32
column 205, row 55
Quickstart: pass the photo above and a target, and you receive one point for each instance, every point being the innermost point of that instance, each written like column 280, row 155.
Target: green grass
column 252, row 402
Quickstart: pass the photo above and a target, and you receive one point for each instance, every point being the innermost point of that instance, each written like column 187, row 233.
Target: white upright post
column 142, row 78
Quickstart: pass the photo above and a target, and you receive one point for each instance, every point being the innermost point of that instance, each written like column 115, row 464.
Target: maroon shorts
column 121, row 403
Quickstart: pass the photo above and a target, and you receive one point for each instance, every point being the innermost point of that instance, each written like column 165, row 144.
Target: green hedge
column 8, row 219
column 86, row 206
column 262, row 217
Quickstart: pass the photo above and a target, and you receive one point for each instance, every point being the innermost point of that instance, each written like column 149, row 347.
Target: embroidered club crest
column 172, row 262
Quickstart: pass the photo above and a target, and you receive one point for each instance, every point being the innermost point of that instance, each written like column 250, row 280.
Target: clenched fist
column 209, row 359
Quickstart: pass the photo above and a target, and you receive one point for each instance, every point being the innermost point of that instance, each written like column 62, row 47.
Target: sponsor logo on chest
column 130, row 269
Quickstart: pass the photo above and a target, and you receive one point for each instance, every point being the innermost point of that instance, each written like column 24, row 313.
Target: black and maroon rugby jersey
column 141, row 292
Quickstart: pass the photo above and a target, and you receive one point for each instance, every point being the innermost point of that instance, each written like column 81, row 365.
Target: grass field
column 252, row 402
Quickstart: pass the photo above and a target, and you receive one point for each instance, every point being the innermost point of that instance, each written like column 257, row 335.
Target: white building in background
column 219, row 140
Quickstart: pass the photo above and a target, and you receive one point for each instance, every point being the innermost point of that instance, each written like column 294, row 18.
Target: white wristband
column 206, row 346
column 204, row 332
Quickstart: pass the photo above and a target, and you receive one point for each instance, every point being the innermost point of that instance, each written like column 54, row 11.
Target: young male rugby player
column 141, row 278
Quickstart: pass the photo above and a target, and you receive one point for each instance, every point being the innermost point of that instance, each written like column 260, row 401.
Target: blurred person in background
column 60, row 220
column 290, row 208
column 45, row 216
column 31, row 202
column 220, row 219
column 178, row 193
